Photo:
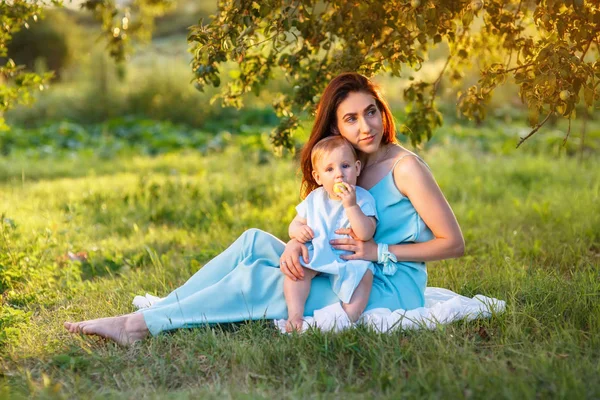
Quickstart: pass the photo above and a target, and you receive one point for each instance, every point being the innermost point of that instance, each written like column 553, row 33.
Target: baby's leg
column 296, row 293
column 360, row 297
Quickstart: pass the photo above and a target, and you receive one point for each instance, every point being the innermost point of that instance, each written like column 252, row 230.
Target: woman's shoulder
column 409, row 169
column 408, row 162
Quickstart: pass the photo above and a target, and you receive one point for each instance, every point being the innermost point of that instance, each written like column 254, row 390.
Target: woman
column 416, row 224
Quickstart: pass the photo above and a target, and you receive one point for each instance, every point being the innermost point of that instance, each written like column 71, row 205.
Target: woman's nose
column 363, row 126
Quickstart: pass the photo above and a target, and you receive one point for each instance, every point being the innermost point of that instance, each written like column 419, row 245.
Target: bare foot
column 294, row 324
column 124, row 330
column 353, row 312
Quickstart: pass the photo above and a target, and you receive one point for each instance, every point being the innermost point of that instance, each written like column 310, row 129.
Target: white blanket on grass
column 442, row 306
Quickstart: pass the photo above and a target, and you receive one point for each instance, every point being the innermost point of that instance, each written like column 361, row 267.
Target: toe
column 86, row 329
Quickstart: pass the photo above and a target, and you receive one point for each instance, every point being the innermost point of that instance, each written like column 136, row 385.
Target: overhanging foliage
column 549, row 48
column 541, row 44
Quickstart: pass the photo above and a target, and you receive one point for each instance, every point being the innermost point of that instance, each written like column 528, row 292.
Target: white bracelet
column 387, row 259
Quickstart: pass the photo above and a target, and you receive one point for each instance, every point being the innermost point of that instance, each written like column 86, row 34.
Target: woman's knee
column 252, row 232
column 258, row 243
column 250, row 235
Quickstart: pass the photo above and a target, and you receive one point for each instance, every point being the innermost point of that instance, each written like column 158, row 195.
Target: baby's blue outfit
column 244, row 281
column 324, row 216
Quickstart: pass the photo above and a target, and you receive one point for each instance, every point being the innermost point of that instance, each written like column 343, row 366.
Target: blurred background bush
column 50, row 44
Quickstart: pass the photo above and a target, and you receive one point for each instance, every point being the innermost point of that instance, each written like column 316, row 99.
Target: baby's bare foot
column 294, row 325
column 124, row 330
column 352, row 311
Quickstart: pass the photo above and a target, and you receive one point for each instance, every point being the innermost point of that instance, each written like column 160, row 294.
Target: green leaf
column 421, row 22
column 467, row 18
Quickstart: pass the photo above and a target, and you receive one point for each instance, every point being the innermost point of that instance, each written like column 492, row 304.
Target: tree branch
column 583, row 129
column 518, row 26
column 587, row 48
column 568, row 133
column 537, row 127
column 438, row 80
column 262, row 41
column 519, row 67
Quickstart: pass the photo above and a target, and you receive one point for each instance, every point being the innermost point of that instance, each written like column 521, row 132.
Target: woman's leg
column 296, row 293
column 252, row 244
column 242, row 283
column 245, row 284
column 131, row 327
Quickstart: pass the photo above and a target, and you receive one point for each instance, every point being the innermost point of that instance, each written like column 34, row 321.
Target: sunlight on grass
column 80, row 236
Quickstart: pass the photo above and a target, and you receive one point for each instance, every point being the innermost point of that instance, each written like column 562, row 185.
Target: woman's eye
column 350, row 120
column 371, row 112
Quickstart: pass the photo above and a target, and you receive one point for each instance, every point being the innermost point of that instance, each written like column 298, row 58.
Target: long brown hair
column 326, row 121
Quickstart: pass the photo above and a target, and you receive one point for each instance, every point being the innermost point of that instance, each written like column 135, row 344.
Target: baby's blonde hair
column 326, row 145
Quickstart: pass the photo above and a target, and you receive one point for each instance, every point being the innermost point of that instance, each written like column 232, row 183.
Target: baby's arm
column 300, row 231
column 363, row 226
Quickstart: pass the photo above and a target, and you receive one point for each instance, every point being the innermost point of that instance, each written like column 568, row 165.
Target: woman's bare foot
column 124, row 330
column 294, row 325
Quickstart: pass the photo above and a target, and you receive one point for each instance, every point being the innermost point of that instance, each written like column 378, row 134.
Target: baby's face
column 338, row 165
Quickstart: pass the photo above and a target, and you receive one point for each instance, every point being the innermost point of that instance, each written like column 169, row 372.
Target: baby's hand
column 304, row 234
column 347, row 193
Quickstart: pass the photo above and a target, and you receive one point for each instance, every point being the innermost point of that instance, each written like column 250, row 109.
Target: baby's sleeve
column 366, row 202
column 302, row 208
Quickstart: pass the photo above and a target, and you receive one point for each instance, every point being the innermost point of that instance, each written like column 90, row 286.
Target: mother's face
column 359, row 121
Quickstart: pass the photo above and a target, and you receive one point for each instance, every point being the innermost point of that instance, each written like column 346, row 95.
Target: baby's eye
column 346, row 166
column 329, row 169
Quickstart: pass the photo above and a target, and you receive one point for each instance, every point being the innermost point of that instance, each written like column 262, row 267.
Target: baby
column 336, row 203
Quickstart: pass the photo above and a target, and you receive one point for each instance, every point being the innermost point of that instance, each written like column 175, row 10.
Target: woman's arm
column 415, row 181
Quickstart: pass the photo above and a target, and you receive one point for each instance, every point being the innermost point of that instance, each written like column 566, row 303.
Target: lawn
column 82, row 234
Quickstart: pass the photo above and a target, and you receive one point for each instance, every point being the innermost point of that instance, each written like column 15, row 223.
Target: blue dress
column 324, row 216
column 244, row 281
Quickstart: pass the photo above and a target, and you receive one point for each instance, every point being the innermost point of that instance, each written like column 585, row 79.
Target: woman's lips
column 367, row 139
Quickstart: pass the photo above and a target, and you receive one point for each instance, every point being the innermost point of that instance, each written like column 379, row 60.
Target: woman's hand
column 362, row 250
column 290, row 259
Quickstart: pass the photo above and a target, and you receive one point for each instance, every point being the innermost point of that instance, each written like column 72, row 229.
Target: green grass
column 531, row 223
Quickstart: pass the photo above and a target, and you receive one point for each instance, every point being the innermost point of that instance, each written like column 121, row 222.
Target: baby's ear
column 358, row 167
column 316, row 176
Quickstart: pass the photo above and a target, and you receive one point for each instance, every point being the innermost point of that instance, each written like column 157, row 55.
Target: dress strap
column 410, row 155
